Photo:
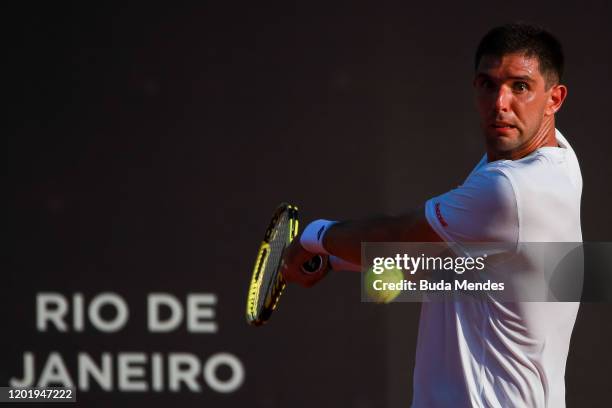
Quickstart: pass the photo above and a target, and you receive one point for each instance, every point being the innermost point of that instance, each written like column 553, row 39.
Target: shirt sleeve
column 483, row 209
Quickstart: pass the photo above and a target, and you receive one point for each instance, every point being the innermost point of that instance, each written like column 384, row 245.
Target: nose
column 502, row 99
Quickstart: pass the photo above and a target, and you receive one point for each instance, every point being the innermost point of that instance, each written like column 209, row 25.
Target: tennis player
column 526, row 188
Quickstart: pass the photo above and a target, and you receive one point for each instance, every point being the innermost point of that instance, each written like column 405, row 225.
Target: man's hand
column 294, row 257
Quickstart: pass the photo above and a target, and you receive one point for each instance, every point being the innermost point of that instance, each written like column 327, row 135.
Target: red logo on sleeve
column 439, row 216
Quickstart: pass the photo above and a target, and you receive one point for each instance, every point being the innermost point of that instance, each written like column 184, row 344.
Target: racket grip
column 315, row 264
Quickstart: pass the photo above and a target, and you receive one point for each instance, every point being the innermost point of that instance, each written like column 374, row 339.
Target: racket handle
column 315, row 264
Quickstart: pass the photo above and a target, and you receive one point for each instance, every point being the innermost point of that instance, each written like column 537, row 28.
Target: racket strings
column 273, row 285
column 267, row 282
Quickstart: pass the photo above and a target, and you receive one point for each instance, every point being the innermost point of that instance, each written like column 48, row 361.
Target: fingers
column 291, row 266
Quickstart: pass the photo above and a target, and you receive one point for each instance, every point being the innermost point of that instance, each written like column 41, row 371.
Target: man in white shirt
column 527, row 188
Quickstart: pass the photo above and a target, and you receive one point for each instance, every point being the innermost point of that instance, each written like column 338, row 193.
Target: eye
column 485, row 83
column 520, row 86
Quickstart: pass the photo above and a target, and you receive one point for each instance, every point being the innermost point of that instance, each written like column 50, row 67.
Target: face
column 516, row 110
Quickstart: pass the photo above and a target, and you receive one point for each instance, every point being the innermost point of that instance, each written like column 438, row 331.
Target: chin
column 502, row 145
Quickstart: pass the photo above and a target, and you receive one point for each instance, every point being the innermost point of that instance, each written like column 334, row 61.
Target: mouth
column 502, row 127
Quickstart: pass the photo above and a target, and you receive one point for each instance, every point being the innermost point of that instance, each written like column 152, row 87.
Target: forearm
column 344, row 238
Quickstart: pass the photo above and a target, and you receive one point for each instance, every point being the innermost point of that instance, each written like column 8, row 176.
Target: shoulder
column 484, row 208
column 491, row 185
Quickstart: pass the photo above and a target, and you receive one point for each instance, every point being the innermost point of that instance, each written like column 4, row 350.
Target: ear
column 558, row 93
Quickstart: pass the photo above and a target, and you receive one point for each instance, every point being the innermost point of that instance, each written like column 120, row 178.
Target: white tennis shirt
column 499, row 354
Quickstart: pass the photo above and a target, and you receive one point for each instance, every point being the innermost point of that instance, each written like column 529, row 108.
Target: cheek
column 528, row 108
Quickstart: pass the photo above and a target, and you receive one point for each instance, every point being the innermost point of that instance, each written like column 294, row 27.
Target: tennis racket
column 267, row 283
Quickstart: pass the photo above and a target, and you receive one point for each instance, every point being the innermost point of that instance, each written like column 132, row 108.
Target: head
column 517, row 83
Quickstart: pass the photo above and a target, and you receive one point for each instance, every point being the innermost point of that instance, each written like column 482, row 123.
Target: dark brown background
column 146, row 146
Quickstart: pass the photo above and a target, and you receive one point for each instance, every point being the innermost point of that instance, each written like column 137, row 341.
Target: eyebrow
column 522, row 78
column 526, row 78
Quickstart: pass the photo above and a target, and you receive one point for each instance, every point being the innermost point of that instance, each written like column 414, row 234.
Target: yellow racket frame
column 254, row 317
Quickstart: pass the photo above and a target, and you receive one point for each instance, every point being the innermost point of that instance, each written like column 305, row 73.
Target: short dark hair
column 528, row 39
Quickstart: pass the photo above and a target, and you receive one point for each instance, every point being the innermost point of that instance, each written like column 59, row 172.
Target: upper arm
column 483, row 209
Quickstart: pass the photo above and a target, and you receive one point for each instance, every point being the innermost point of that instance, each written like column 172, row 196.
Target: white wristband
column 312, row 237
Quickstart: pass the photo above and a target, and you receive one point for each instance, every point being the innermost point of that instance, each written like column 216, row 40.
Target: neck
column 545, row 136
